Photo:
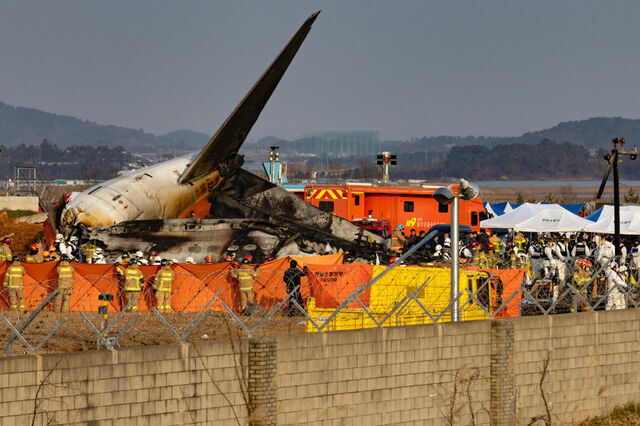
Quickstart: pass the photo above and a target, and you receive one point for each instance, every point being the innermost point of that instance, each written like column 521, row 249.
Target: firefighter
column 154, row 259
column 5, row 250
column 33, row 256
column 510, row 255
column 53, row 254
column 497, row 245
column 65, row 284
column 581, row 278
column 520, row 242
column 483, row 260
column 162, row 285
column 133, row 283
column 13, row 283
column 397, row 239
column 124, row 259
column 245, row 275
column 88, row 251
column 491, row 256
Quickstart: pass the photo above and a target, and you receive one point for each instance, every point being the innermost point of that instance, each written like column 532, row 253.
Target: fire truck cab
column 415, row 208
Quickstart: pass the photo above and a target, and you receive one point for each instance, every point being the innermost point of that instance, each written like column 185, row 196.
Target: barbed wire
column 207, row 304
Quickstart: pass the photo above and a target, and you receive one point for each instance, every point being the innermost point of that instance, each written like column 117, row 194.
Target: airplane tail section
column 226, row 142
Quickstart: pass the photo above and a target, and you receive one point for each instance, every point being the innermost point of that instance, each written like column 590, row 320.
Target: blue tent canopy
column 595, row 215
column 497, row 208
column 573, row 208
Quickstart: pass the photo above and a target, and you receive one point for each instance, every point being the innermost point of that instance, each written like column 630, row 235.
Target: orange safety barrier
column 328, row 281
column 330, row 285
column 193, row 287
column 511, row 281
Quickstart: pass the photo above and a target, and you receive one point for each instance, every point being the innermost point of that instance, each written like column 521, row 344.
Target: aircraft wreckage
column 250, row 216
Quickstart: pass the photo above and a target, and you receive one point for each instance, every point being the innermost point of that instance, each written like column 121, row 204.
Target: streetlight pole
column 455, row 262
column 467, row 192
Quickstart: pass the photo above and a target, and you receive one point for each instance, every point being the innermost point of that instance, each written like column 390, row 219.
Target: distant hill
column 19, row 125
column 593, row 133
column 191, row 138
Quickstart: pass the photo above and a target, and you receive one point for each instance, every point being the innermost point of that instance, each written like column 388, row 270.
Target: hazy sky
column 405, row 68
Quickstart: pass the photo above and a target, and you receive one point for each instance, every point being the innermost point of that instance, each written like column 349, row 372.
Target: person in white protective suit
column 606, row 252
column 560, row 260
column 535, row 254
column 547, row 258
column 635, row 260
column 140, row 258
column 617, row 288
column 98, row 257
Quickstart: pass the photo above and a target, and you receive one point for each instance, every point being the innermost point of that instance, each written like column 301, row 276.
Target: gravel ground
column 76, row 335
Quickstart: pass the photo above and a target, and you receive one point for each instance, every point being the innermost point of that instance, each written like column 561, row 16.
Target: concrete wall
column 19, row 203
column 422, row 374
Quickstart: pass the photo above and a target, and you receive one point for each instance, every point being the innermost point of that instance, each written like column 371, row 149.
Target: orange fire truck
column 415, row 208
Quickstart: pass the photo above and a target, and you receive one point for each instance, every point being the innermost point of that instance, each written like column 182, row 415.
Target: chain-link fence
column 206, row 302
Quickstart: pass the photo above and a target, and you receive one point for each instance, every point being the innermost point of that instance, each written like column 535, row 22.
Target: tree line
column 74, row 162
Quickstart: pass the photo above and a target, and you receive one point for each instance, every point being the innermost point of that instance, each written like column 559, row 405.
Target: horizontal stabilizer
column 229, row 138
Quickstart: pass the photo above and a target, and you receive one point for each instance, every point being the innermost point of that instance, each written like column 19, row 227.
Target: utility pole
column 613, row 159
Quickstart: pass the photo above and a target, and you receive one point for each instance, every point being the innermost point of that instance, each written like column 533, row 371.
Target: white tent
column 629, row 221
column 538, row 218
column 489, row 209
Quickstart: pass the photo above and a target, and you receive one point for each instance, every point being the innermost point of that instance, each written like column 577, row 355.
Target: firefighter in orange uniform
column 65, row 284
column 133, row 284
column 13, row 283
column 162, row 286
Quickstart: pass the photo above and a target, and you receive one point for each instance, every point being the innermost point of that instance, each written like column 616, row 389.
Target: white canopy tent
column 629, row 221
column 538, row 218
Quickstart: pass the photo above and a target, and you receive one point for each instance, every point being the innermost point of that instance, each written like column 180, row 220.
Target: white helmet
column 98, row 251
column 139, row 254
column 438, row 247
column 189, row 260
column 59, row 237
column 74, row 238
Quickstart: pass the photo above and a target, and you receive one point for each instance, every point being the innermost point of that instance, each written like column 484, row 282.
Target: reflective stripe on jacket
column 133, row 279
column 13, row 277
column 163, row 280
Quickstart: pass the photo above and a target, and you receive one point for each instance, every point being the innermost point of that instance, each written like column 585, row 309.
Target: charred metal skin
column 165, row 190
column 248, row 196
column 179, row 238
